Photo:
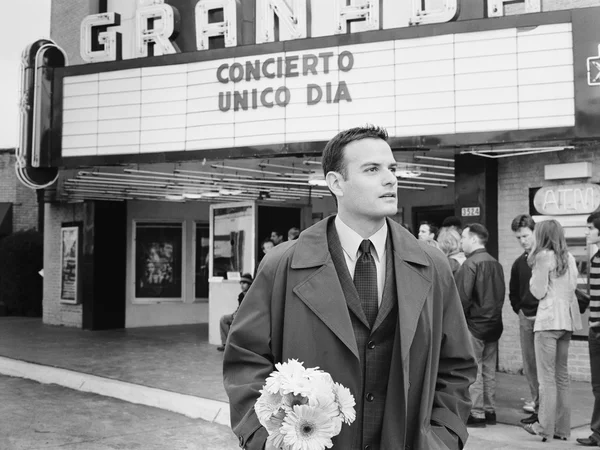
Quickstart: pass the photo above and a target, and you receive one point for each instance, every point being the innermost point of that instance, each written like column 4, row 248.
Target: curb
column 188, row 405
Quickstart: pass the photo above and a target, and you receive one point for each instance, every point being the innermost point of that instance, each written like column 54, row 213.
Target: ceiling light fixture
column 407, row 174
column 432, row 166
column 516, row 151
column 317, row 179
column 435, row 158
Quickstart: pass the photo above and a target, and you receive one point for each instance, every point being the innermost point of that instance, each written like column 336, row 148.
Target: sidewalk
column 176, row 365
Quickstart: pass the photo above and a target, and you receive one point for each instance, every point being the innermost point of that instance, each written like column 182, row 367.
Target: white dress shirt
column 351, row 241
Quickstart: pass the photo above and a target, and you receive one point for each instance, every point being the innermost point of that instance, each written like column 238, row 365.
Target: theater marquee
column 468, row 83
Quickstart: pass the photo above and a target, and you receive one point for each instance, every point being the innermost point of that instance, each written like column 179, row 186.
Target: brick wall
column 55, row 312
column 24, row 200
column 516, row 175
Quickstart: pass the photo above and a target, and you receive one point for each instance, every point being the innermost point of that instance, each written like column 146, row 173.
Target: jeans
column 594, row 344
column 551, row 354
column 224, row 326
column 483, row 391
column 528, row 353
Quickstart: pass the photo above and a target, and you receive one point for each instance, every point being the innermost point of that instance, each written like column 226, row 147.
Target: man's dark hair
column 333, row 154
column 432, row 228
column 594, row 219
column 480, row 231
column 452, row 221
column 522, row 221
column 277, row 231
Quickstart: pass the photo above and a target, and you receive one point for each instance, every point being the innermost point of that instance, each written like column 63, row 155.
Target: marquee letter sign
column 206, row 30
column 156, row 22
column 363, row 10
column 109, row 40
column 447, row 13
column 294, row 19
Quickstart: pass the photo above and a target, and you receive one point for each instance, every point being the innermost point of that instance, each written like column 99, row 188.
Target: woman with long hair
column 449, row 240
column 553, row 282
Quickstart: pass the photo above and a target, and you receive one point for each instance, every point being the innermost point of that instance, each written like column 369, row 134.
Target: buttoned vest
column 375, row 345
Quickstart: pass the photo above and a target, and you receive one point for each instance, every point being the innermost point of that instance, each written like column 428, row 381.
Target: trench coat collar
column 323, row 293
column 312, row 250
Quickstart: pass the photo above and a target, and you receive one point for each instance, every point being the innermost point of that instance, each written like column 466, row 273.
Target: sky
column 25, row 21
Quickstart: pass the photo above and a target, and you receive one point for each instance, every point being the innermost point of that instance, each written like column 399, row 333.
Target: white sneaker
column 529, row 407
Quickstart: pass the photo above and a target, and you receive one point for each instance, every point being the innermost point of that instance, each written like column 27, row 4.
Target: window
column 158, row 260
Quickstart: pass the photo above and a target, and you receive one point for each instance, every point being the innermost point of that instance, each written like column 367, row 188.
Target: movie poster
column 69, row 242
column 158, row 260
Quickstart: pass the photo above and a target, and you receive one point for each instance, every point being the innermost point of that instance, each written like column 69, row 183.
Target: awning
column 5, row 219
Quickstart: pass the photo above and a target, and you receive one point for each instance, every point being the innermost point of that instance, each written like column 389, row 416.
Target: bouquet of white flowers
column 302, row 409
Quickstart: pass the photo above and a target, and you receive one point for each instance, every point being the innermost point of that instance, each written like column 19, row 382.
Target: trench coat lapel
column 412, row 285
column 320, row 289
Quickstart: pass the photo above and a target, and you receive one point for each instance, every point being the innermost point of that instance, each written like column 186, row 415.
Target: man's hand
column 269, row 446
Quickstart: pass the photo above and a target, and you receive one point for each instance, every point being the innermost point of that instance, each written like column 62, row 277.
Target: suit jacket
column 296, row 309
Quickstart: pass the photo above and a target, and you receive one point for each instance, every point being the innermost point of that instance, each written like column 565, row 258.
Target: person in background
column 454, row 223
column 427, row 231
column 480, row 283
column 553, row 282
column 293, row 233
column 449, row 242
column 226, row 320
column 525, row 305
column 593, row 238
column 276, row 237
column 267, row 245
column 362, row 299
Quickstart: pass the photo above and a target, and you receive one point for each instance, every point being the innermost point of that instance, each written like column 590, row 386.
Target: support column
column 477, row 187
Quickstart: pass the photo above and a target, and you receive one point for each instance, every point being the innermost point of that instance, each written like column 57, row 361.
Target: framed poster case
column 70, row 251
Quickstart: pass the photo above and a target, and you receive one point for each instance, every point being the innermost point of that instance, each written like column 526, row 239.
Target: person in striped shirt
column 593, row 238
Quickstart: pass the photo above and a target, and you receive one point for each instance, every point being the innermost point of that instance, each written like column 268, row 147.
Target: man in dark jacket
column 480, row 282
column 525, row 305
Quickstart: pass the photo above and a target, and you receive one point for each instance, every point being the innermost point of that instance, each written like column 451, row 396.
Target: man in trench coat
column 303, row 305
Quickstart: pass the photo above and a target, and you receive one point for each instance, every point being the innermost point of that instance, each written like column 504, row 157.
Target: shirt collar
column 351, row 240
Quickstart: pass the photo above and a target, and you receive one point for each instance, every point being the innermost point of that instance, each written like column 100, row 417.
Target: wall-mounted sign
column 567, row 199
column 471, row 211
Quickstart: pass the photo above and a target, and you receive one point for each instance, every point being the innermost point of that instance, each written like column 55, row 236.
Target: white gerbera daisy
column 291, row 368
column 345, row 401
column 291, row 400
column 307, row 428
column 267, row 405
column 283, row 374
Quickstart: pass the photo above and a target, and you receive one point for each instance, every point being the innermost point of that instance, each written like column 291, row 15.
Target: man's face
column 466, row 241
column 370, row 187
column 244, row 285
column 425, row 233
column 526, row 238
column 592, row 234
column 267, row 246
column 276, row 238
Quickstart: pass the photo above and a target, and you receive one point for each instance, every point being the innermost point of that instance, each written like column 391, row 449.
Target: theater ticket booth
column 236, row 232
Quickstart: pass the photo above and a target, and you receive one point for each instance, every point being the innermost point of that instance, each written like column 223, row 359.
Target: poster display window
column 158, row 260
column 69, row 264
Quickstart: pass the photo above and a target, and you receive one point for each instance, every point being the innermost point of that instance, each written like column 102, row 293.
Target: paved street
column 37, row 416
